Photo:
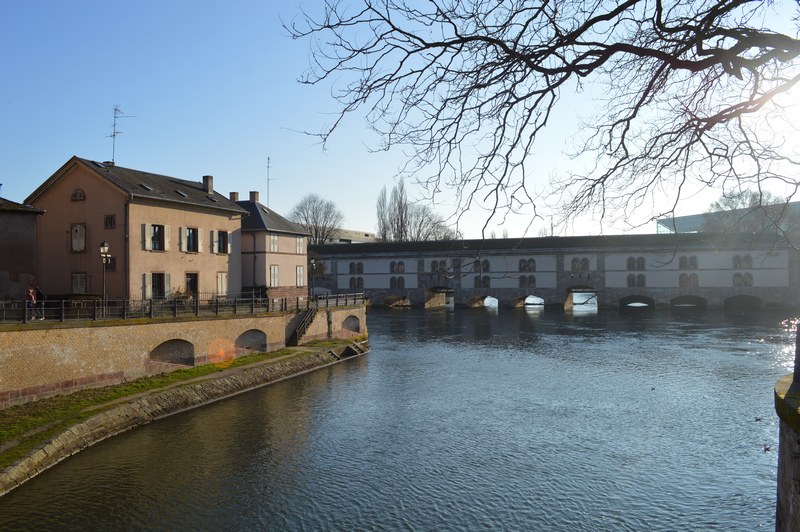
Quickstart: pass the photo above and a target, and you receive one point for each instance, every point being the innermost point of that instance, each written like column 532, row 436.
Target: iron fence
column 94, row 309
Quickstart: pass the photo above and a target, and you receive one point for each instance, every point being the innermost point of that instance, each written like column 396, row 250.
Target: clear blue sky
column 210, row 87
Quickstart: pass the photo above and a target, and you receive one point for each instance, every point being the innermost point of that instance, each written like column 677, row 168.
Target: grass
column 27, row 426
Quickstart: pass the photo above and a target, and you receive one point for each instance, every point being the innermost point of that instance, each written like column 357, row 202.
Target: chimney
column 208, row 184
column 254, row 195
column 234, row 196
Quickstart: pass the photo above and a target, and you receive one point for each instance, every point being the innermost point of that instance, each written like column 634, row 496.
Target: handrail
column 94, row 309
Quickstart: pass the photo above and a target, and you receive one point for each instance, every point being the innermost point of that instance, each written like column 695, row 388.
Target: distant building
column 17, row 248
column 274, row 252
column 165, row 235
column 749, row 220
column 348, row 236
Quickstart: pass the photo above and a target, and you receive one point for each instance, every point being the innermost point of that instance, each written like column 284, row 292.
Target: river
column 461, row 420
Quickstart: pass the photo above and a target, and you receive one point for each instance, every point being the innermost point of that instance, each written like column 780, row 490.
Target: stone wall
column 43, row 359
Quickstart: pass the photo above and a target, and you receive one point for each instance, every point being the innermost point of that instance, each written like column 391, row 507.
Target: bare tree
column 470, row 86
column 399, row 220
column 318, row 216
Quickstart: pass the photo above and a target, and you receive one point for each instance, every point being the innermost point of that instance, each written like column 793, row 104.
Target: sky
column 206, row 88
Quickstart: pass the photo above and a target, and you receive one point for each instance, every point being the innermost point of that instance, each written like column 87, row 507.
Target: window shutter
column 181, row 239
column 147, row 230
column 213, row 243
column 167, row 285
column 147, row 286
column 199, row 240
column 230, row 242
column 166, row 238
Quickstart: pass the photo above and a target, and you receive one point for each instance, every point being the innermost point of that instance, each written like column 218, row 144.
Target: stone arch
column 352, row 323
column 174, row 352
column 688, row 302
column 637, row 303
column 743, row 303
column 253, row 339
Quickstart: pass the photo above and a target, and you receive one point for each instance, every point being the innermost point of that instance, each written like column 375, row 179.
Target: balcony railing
column 94, row 309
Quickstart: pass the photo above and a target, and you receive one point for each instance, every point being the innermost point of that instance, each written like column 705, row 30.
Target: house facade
column 274, row 252
column 662, row 268
column 17, row 248
column 165, row 235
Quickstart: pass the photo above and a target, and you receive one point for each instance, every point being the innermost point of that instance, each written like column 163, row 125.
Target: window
column 579, row 264
column 747, row 262
column 273, row 275
column 737, row 265
column 527, row 281
column 110, row 221
column 692, row 262
column 683, row 280
column 190, row 240
column 401, row 267
column 434, row 266
column 393, row 267
column 640, row 263
column 155, row 285
column 300, row 276
column 222, row 242
column 737, row 278
column 157, row 237
column 585, row 264
column 683, row 263
column 158, row 284
column 352, row 268
column 356, row 283
column 640, row 281
column 299, row 244
column 632, row 280
column 484, row 266
column 78, row 195
column 631, row 264
column 360, row 269
column 79, row 283
column 78, row 240
column 694, row 280
column 273, row 241
column 747, row 279
column 192, row 282
column 442, row 266
column 393, row 283
column 352, row 283
column 222, row 283
column 401, row 283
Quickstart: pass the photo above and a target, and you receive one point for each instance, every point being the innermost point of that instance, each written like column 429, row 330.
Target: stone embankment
column 150, row 406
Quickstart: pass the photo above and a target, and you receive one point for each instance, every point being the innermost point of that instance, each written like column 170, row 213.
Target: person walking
column 30, row 303
column 40, row 297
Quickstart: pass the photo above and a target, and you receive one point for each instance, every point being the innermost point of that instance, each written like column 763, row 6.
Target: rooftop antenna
column 268, row 180
column 114, row 132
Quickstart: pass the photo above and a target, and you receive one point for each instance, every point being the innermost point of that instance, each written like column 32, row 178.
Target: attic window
column 78, row 195
column 146, row 187
column 181, row 193
column 212, row 198
column 101, row 165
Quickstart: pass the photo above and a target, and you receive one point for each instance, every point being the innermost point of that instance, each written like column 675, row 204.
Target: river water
column 461, row 420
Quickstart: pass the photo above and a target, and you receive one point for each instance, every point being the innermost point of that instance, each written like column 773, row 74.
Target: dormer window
column 78, row 195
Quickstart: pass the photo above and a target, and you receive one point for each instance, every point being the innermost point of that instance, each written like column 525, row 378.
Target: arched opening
column 352, row 323
column 174, row 352
column 743, row 303
column 688, row 302
column 252, row 340
column 637, row 304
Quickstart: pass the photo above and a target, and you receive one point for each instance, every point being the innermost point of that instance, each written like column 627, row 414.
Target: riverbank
column 101, row 413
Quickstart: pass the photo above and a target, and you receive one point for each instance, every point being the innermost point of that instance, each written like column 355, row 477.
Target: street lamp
column 106, row 257
column 311, row 272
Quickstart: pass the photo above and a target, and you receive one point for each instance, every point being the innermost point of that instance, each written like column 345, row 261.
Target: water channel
column 461, row 420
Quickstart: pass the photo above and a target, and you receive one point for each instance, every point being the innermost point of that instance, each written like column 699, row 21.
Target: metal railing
column 94, row 309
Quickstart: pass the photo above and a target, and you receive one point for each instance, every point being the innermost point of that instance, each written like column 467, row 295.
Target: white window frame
column 299, row 247
column 300, row 274
column 274, row 275
column 222, row 283
column 273, row 242
column 78, row 282
column 78, row 239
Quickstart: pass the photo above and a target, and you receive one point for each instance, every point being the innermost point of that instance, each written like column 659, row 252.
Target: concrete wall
column 41, row 360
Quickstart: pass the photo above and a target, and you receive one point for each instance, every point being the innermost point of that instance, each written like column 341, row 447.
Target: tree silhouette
column 471, row 87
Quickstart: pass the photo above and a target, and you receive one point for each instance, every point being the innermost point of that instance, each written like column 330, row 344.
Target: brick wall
column 39, row 360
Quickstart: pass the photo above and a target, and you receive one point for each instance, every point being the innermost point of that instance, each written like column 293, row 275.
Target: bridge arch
column 688, row 303
column 743, row 303
column 637, row 302
column 352, row 323
column 252, row 339
column 174, row 351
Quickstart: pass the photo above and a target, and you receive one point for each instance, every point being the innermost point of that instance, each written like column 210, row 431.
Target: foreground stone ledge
column 159, row 404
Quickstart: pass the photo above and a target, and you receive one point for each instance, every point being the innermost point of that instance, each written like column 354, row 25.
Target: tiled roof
column 8, row 205
column 261, row 218
column 141, row 184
